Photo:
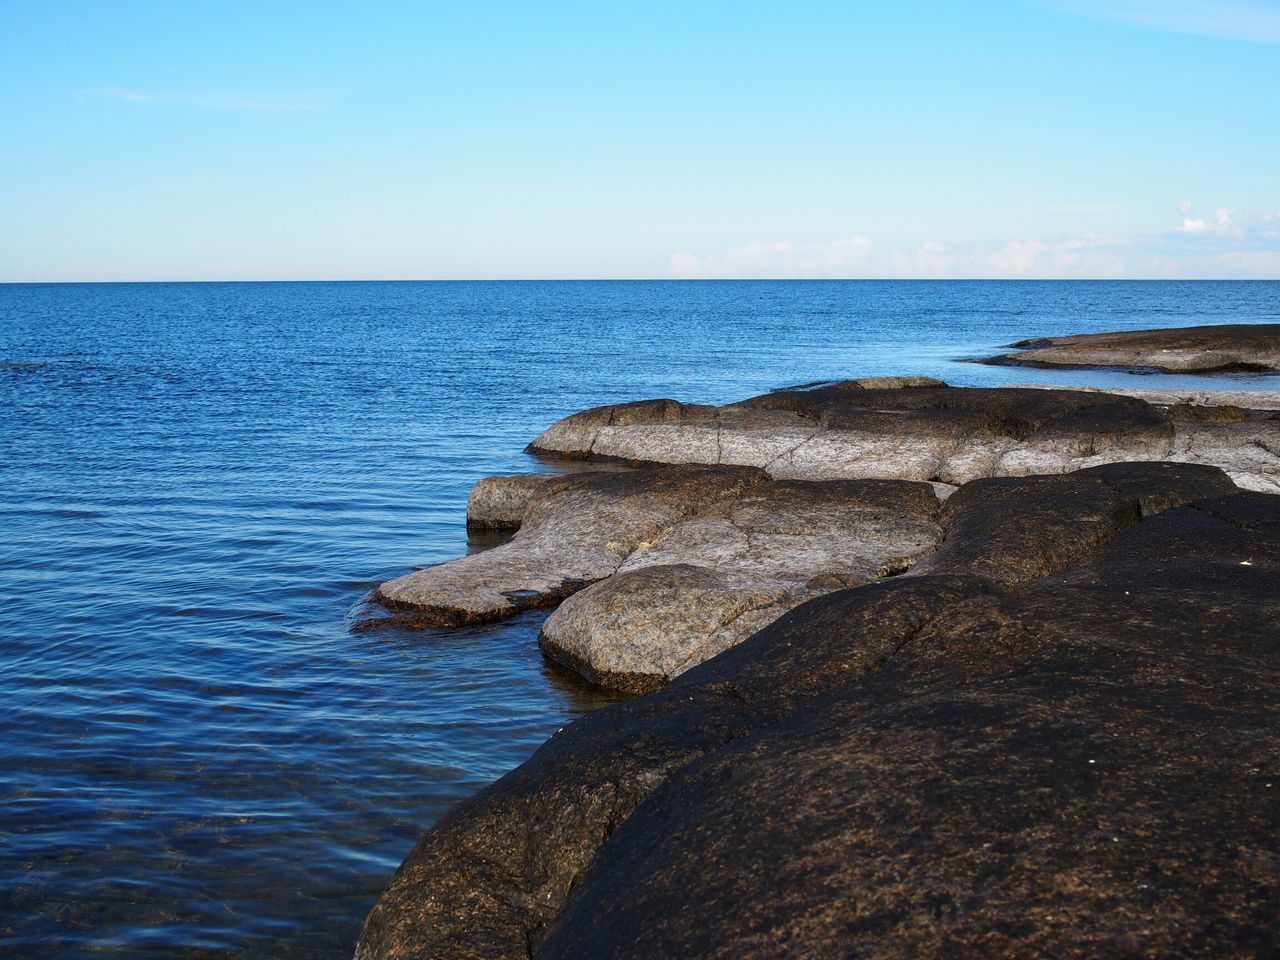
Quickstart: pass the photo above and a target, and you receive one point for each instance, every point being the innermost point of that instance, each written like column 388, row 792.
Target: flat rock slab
column 1054, row 742
column 1251, row 400
column 950, row 435
column 575, row 530
column 1253, row 347
column 717, row 578
column 663, row 568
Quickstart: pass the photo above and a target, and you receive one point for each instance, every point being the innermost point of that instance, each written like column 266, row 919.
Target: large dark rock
column 1060, row 740
column 1237, row 347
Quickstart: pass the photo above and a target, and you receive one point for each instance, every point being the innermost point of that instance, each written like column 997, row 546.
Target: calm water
column 198, row 483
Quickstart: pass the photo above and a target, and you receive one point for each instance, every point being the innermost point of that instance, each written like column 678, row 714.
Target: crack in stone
column 787, row 453
column 1264, row 446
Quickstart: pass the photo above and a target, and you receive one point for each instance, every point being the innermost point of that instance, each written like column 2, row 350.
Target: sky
column 385, row 140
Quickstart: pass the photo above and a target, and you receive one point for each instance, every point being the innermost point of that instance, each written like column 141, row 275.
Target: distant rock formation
column 1246, row 347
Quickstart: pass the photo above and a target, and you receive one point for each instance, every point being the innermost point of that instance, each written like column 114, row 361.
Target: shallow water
column 198, row 484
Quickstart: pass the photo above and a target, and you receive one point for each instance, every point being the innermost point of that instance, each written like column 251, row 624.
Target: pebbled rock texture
column 1057, row 737
column 1246, row 347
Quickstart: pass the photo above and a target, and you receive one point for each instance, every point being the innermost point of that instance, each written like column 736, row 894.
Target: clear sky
column 225, row 140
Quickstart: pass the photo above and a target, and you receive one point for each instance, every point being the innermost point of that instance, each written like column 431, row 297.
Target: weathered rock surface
column 575, row 530
column 1059, row 739
column 1252, row 347
column 696, row 559
column 1183, row 399
column 499, row 503
column 714, row 580
column 942, row 434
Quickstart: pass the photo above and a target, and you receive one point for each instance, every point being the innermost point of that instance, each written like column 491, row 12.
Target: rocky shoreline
column 929, row 670
column 1225, row 348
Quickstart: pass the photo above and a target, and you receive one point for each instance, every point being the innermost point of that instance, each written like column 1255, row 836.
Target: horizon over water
column 201, row 481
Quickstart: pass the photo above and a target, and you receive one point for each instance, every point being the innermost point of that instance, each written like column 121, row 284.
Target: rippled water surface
column 198, row 483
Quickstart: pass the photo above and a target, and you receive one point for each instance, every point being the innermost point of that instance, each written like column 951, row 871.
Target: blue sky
column 1042, row 138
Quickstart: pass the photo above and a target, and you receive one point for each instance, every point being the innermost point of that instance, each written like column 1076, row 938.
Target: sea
column 201, row 482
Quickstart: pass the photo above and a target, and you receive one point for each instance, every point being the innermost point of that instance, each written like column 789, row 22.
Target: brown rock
column 1073, row 756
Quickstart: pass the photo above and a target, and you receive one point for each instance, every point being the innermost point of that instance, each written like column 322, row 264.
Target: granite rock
column 934, row 433
column 1058, row 739
column 499, row 503
column 1252, row 347
column 939, row 434
column 575, row 530
column 716, row 579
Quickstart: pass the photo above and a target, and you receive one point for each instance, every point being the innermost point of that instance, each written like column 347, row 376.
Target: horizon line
column 51, row 283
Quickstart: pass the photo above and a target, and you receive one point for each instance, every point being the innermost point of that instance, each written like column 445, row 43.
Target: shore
column 987, row 671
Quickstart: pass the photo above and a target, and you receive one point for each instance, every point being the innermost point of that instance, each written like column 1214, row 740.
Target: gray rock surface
column 941, row 434
column 665, row 567
column 576, row 529
column 1245, row 399
column 720, row 576
column 1057, row 739
column 499, row 503
column 1253, row 347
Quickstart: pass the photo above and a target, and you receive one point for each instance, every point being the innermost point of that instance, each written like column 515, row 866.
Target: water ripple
column 200, row 482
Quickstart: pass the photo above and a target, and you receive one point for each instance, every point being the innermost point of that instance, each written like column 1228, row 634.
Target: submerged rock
column 1251, row 347
column 1055, row 737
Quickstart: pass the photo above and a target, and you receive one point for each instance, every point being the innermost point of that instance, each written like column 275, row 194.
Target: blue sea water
column 200, row 482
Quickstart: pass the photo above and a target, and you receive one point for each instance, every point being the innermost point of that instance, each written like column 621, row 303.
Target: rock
column 987, row 522
column 1059, row 740
column 576, row 529
column 943, row 434
column 498, row 503
column 1248, row 400
column 714, row 580
column 1253, row 347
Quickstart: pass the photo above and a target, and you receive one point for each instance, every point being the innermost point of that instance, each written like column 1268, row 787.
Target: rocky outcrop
column 575, row 530
column 499, row 503
column 1056, row 736
column 693, row 559
column 1252, row 347
column 720, row 576
column 1184, row 399
column 944, row 434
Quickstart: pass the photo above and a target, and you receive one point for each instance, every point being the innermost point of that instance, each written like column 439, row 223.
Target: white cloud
column 1226, row 243
column 1017, row 257
column 1074, row 258
column 1185, row 207
column 1084, row 256
column 1221, row 224
column 1254, row 21
column 780, row 258
column 1090, row 241
column 192, row 100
